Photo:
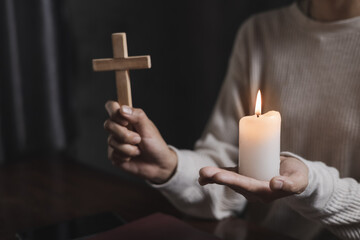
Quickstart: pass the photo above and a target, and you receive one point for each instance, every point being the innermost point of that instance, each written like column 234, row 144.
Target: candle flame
column 258, row 104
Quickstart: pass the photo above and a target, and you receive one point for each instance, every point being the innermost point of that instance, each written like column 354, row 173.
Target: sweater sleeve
column 329, row 199
column 217, row 147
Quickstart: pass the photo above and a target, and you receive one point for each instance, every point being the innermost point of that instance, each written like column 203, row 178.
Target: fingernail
column 126, row 109
column 137, row 139
column 278, row 184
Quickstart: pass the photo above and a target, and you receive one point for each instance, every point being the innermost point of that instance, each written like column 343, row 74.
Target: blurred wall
column 51, row 102
column 189, row 43
column 35, row 67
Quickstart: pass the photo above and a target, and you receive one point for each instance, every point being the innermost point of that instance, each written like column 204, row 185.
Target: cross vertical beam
column 122, row 77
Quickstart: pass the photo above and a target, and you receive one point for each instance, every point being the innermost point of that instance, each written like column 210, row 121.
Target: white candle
column 259, row 144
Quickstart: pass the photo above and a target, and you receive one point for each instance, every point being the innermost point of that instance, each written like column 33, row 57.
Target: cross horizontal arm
column 129, row 63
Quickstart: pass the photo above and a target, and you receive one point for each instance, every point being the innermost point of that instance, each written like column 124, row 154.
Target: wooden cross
column 121, row 64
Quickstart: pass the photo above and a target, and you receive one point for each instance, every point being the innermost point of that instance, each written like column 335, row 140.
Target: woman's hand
column 293, row 179
column 141, row 151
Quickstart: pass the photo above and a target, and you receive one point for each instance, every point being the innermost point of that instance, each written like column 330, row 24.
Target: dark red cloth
column 156, row 226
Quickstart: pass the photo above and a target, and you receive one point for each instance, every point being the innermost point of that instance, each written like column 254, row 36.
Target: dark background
column 53, row 103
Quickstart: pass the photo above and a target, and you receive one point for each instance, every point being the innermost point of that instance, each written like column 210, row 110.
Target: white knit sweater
column 309, row 72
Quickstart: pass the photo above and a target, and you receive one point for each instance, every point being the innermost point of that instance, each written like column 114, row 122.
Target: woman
column 305, row 58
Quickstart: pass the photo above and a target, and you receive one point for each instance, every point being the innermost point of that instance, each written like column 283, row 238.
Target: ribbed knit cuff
column 318, row 191
column 184, row 175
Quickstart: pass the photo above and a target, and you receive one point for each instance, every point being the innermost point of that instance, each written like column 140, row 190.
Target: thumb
column 136, row 117
column 286, row 184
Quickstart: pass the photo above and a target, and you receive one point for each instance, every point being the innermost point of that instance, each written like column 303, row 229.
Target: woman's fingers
column 232, row 179
column 125, row 149
column 293, row 180
column 121, row 134
column 122, row 143
column 252, row 189
column 207, row 173
column 113, row 109
column 122, row 156
column 116, row 157
column 237, row 181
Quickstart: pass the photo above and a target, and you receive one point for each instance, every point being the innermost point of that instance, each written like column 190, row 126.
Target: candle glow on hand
column 258, row 104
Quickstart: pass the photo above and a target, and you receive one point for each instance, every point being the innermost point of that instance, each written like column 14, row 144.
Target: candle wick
column 257, row 115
